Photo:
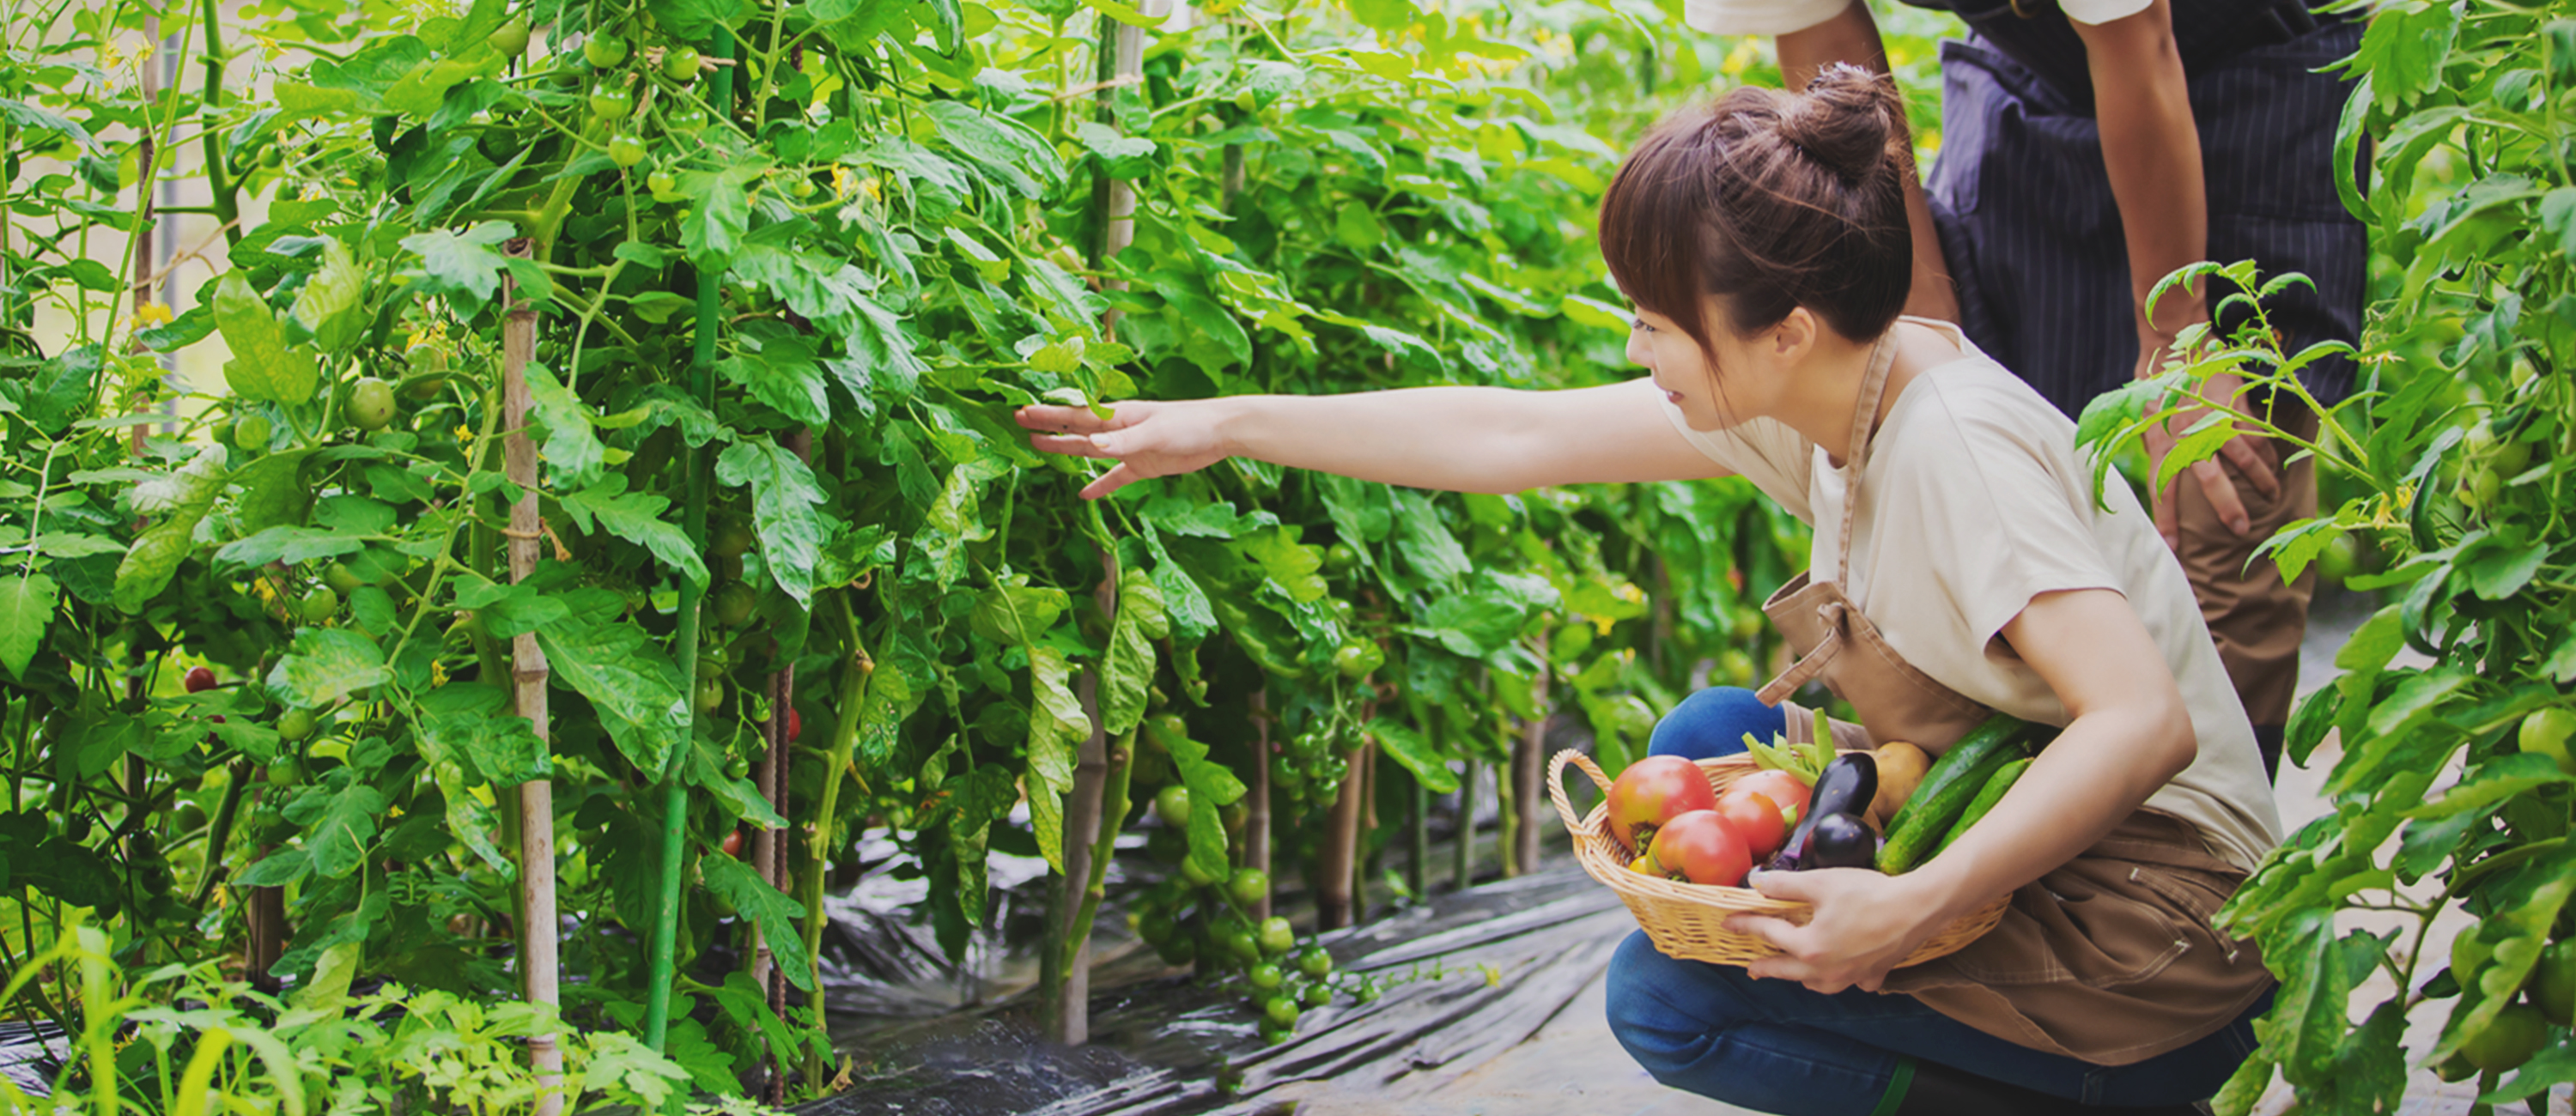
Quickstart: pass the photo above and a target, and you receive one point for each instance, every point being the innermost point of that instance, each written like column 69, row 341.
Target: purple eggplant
column 1840, row 841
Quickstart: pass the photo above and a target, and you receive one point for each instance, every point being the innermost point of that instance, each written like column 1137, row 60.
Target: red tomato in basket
column 1652, row 790
column 1786, row 791
column 1755, row 818
column 1700, row 847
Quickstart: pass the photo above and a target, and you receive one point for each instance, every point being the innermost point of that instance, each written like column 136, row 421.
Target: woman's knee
column 1712, row 723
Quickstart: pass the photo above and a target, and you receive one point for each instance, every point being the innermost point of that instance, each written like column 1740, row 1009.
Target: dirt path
column 1572, row 1067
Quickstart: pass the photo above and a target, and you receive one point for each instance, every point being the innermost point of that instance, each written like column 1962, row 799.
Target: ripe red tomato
column 733, row 843
column 1653, row 789
column 1785, row 790
column 1700, row 847
column 200, row 679
column 1755, row 818
column 795, row 725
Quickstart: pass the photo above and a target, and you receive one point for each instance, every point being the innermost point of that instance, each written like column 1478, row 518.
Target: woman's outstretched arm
column 1462, row 439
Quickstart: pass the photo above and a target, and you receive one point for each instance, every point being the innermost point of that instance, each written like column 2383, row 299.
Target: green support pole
column 675, row 794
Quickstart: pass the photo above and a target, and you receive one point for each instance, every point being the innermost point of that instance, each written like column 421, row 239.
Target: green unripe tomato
column 2553, row 988
column 1339, row 558
column 2455, row 1068
column 1248, row 886
column 1265, row 976
column 342, row 578
column 1172, row 804
column 2508, row 1040
column 371, row 403
column 271, row 156
column 2545, row 731
column 1358, row 658
column 1156, row 928
column 680, row 64
column 1277, row 937
column 1281, row 1011
column 625, row 151
column 319, row 605
column 1318, row 994
column 2468, row 955
column 1243, row 945
column 294, row 725
column 251, row 432
column 710, row 693
column 286, row 771
column 733, row 537
column 603, row 50
column 510, row 39
column 611, row 105
column 661, row 184
column 734, row 604
column 1179, row 949
column 1315, row 961
column 2511, row 458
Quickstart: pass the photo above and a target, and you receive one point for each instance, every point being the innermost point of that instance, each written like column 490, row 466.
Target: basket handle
column 1556, row 784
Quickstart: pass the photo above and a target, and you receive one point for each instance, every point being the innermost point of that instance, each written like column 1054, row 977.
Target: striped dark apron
column 2023, row 205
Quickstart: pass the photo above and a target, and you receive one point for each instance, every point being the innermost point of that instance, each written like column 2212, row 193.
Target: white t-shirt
column 1779, row 17
column 1974, row 502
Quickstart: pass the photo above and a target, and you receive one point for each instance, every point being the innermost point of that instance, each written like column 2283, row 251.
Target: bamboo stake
column 1526, row 790
column 1462, row 870
column 1256, row 828
column 538, row 924
column 1069, row 1016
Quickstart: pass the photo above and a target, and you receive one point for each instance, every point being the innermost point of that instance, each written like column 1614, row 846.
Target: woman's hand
column 1864, row 924
column 1147, row 439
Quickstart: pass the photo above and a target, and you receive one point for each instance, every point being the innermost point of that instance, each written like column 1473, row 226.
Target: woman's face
column 1689, row 376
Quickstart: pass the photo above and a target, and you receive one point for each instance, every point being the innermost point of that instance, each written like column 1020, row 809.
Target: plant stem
column 845, row 741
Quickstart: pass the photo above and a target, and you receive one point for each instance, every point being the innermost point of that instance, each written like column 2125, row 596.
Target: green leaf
column 262, row 367
column 1124, row 156
column 636, row 517
column 785, row 505
column 466, row 263
column 2373, row 644
column 707, row 771
column 2494, row 781
column 1425, row 542
column 328, row 305
column 778, row 917
column 641, row 699
column 572, row 448
column 714, row 225
column 26, row 607
column 1212, row 787
column 1474, row 626
column 1000, row 146
column 2502, row 572
column 1127, row 672
column 277, row 869
column 1017, row 614
column 1057, row 726
column 1286, row 561
column 1357, row 227
column 324, row 665
column 1418, row 756
column 339, row 821
column 779, row 369
column 890, row 699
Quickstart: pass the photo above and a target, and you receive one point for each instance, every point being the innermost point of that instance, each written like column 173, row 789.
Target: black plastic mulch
column 1465, row 977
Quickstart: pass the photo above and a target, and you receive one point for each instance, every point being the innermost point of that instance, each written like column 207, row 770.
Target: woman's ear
column 1795, row 336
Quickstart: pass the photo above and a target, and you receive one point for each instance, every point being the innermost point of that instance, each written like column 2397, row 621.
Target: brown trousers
column 2256, row 617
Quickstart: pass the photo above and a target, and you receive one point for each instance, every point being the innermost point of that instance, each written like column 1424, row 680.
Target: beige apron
column 2110, row 958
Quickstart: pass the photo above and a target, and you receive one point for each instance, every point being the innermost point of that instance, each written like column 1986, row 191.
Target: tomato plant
column 2455, row 460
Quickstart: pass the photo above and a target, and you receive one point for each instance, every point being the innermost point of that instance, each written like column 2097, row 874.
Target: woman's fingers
column 1074, row 445
column 1061, row 420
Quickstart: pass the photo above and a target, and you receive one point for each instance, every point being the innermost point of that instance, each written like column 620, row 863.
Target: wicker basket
column 1687, row 921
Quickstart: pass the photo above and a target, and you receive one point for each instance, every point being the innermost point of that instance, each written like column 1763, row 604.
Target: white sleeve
column 2098, row 12
column 1763, row 17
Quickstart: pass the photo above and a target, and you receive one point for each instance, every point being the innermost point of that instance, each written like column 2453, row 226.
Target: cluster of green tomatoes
column 1195, row 918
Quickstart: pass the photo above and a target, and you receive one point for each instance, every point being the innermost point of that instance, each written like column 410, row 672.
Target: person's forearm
column 1461, row 439
column 2084, row 784
column 1852, row 36
column 2151, row 149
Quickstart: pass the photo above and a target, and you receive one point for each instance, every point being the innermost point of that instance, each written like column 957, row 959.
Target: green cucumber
column 1948, row 788
column 1995, row 732
column 1993, row 792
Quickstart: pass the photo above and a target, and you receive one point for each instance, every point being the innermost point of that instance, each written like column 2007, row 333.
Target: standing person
column 1974, row 568
column 2090, row 148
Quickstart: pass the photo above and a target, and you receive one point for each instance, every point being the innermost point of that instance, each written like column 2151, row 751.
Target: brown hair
column 1769, row 201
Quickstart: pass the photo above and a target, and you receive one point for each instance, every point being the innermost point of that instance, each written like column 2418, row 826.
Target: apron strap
column 1813, row 663
column 1873, row 384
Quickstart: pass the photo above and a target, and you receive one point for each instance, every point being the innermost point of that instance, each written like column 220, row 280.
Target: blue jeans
column 1774, row 1046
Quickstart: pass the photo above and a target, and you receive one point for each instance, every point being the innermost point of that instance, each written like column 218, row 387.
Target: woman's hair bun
column 1848, row 121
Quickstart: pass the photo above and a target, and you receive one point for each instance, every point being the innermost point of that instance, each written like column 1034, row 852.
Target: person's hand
column 1864, row 924
column 1147, row 439
column 2252, row 455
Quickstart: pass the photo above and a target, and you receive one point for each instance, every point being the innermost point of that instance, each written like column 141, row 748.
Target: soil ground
column 1572, row 1067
